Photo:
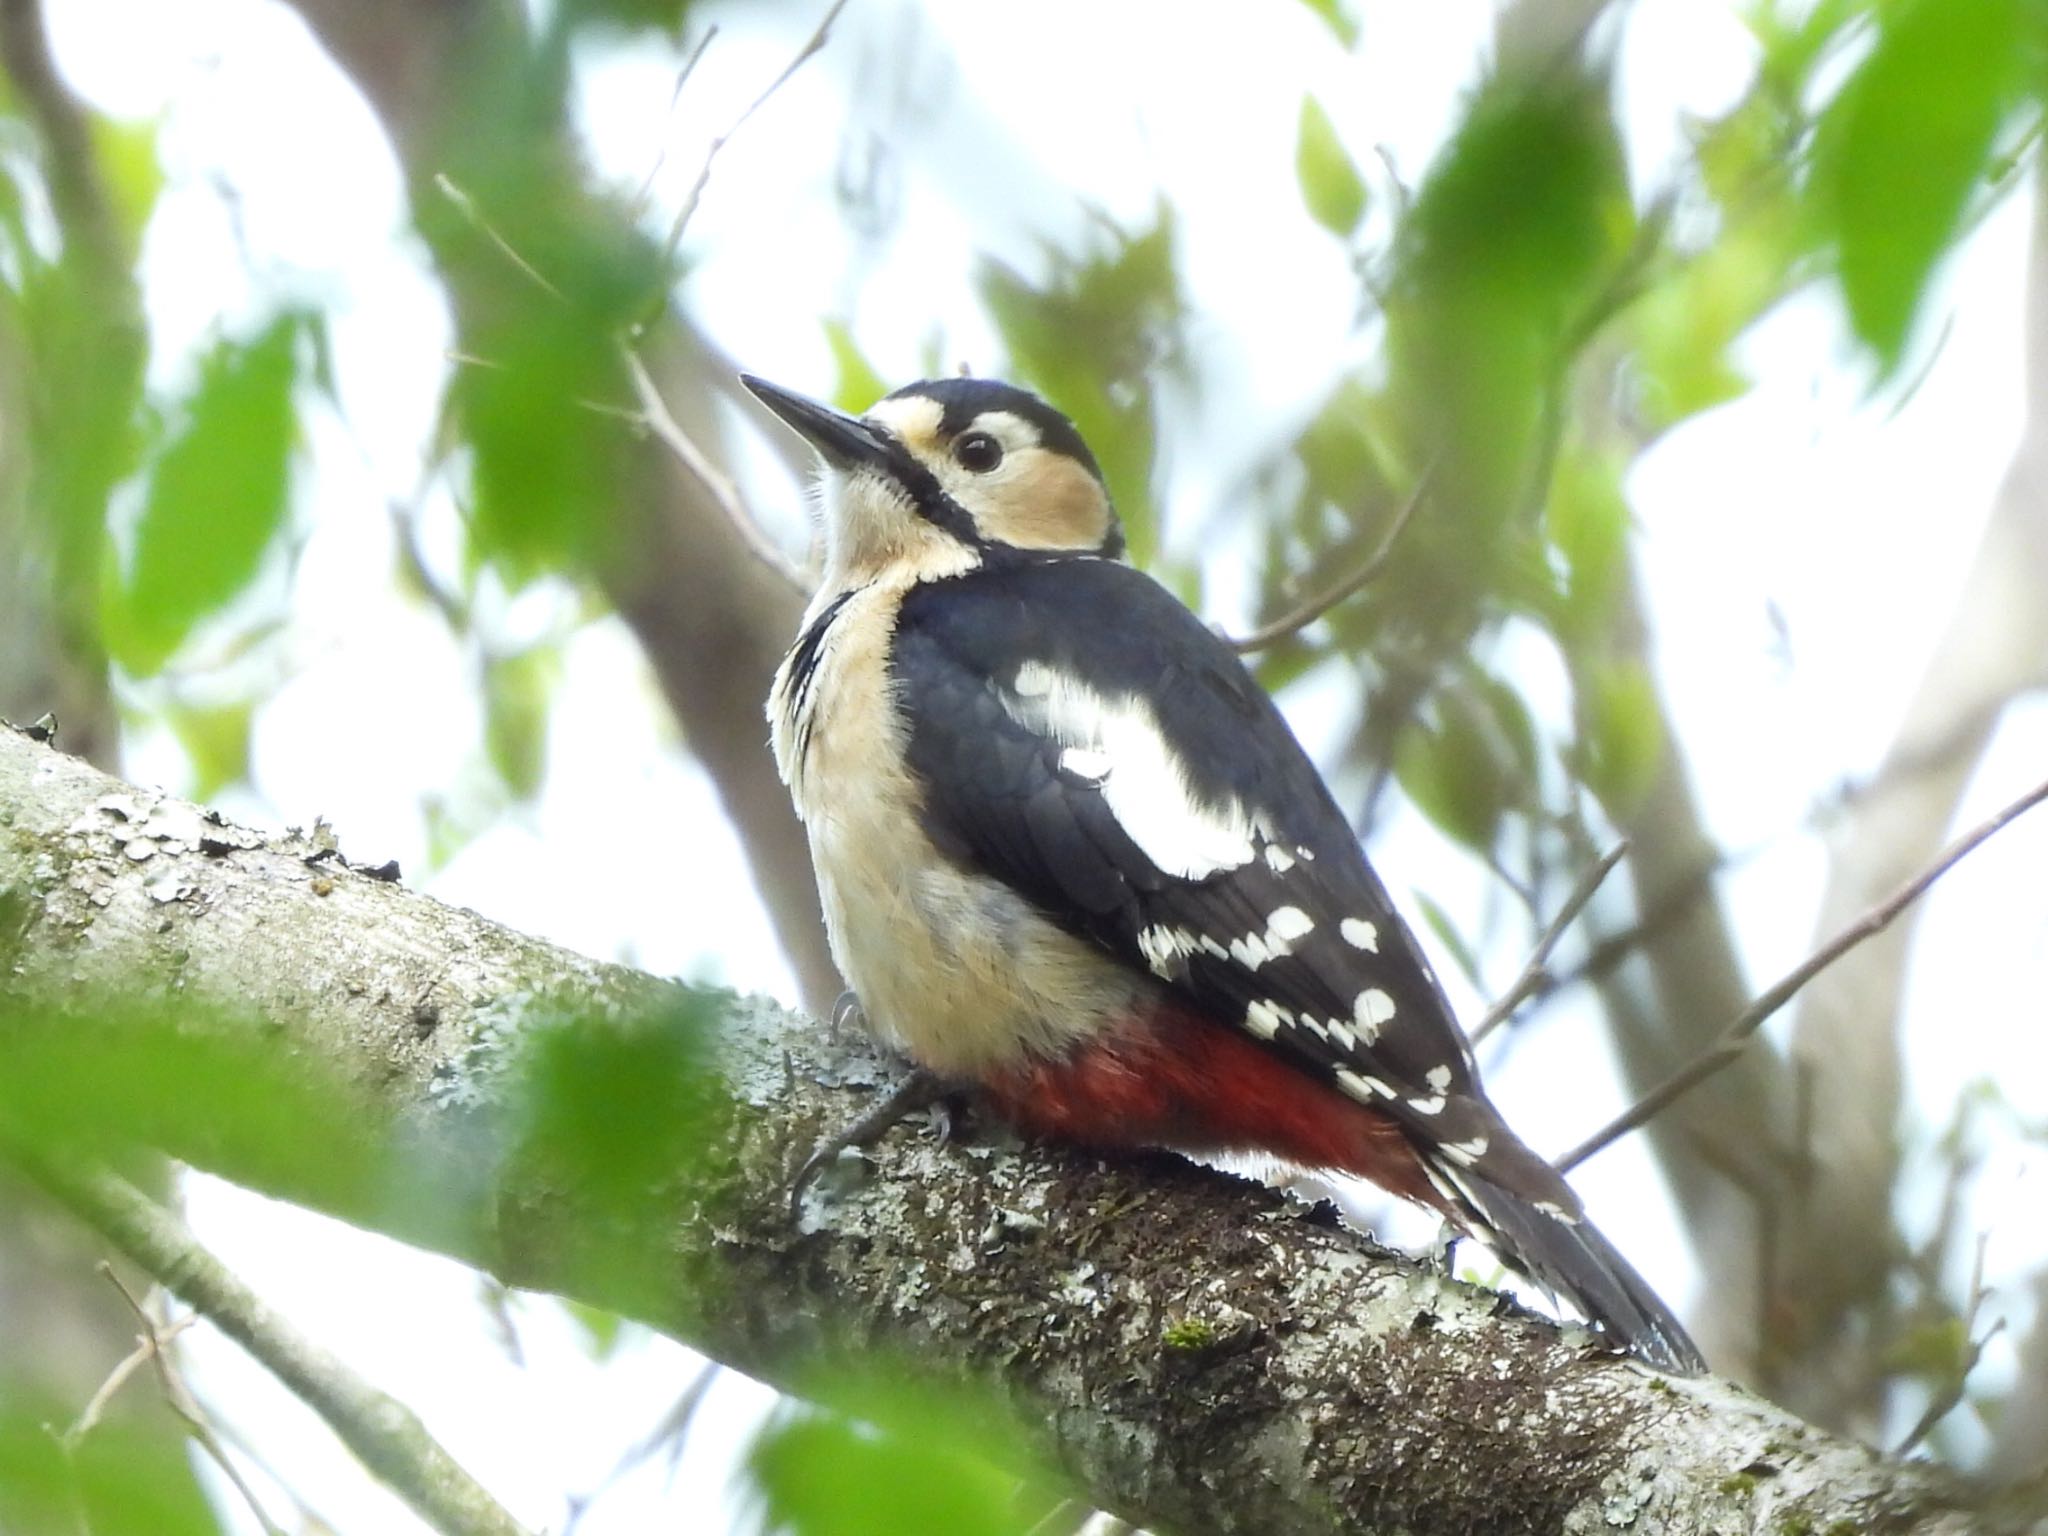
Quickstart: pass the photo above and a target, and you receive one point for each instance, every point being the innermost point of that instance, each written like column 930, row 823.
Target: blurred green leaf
column 125, row 155
column 665, row 16
column 1621, row 736
column 1453, row 764
column 128, row 1073
column 552, row 284
column 911, row 1459
column 216, row 498
column 1512, row 235
column 118, row 1481
column 1935, row 1349
column 1440, row 924
column 518, row 692
column 1095, row 338
column 857, row 385
column 216, row 743
column 1333, row 14
column 1330, row 183
column 609, row 1120
column 1587, row 521
column 1900, row 150
column 602, row 1330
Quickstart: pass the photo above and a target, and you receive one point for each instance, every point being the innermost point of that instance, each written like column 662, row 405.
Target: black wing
column 1081, row 737
column 1249, row 895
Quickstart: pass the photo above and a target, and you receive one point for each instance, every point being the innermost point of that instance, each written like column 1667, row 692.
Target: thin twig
column 89, row 1417
column 384, row 1434
column 655, row 415
column 181, row 1401
column 1945, row 1400
column 469, row 210
column 1536, row 973
column 682, row 79
column 813, row 44
column 1736, row 1036
column 1300, row 618
column 672, row 1430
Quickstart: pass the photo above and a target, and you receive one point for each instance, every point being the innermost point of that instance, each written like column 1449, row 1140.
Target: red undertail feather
column 1169, row 1077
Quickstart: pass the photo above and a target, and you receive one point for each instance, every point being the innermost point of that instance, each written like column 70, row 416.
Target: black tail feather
column 1569, row 1256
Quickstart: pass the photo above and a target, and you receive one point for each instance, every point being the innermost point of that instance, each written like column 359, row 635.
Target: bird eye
column 979, row 452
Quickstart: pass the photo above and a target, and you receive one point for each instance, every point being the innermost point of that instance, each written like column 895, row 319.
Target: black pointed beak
column 846, row 442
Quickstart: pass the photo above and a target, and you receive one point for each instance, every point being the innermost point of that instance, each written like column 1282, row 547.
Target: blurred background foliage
column 1528, row 324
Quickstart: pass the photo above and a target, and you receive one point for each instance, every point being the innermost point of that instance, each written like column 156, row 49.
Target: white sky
column 1855, row 522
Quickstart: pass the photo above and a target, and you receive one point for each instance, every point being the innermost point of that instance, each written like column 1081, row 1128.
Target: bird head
column 948, row 474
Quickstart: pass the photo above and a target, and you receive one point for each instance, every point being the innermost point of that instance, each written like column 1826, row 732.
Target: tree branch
column 1745, row 1024
column 1325, row 1384
column 1299, row 618
column 383, row 1432
column 1536, row 974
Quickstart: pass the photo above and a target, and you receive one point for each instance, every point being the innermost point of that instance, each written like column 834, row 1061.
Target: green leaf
column 665, row 16
column 1330, row 183
column 1621, row 742
column 1587, row 520
column 602, row 1330
column 1454, row 942
column 1451, row 764
column 119, row 1481
column 858, row 385
column 1901, row 149
column 216, row 743
column 1333, row 14
column 901, row 1457
column 518, row 690
column 1511, row 234
column 131, row 173
column 1096, row 338
column 1934, row 1348
column 216, row 498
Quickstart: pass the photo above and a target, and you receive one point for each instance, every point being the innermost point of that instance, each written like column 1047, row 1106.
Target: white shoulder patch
column 1118, row 744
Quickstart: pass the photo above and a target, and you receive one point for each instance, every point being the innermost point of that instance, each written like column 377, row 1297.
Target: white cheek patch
column 1143, row 780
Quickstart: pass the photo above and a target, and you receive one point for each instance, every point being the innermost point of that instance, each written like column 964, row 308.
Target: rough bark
column 1203, row 1355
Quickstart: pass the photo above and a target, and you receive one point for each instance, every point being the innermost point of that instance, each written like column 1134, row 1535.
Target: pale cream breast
column 958, row 970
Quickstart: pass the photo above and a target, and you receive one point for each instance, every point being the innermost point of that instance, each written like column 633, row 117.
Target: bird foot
column 919, row 1090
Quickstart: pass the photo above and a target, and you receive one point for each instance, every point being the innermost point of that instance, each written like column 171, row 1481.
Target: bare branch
column 682, row 79
column 1298, row 619
column 89, row 1417
column 1950, row 1392
column 1536, row 974
column 382, row 1431
column 1738, row 1033
column 467, row 207
column 684, row 214
column 659, row 420
column 181, row 1401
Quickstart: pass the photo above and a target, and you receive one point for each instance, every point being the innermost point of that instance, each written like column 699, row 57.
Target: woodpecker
column 1072, row 857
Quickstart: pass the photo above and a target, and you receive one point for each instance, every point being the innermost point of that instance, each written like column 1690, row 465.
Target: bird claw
column 848, row 1013
column 1443, row 1253
column 919, row 1090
